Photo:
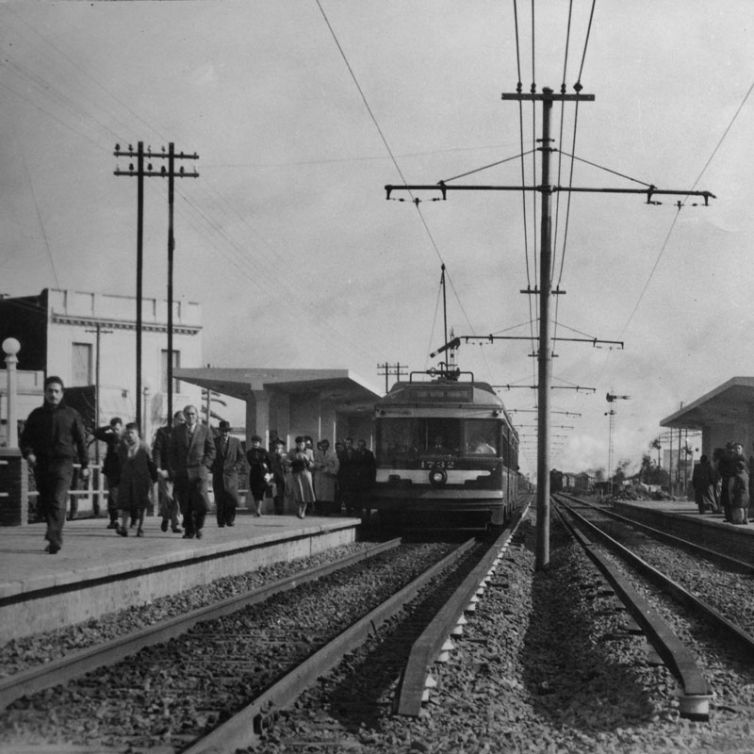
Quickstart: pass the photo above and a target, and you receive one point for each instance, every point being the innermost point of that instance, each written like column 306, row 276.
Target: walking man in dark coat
column 52, row 439
column 168, row 505
column 228, row 462
column 191, row 455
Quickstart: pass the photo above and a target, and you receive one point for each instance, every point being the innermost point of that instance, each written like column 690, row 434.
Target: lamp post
column 11, row 347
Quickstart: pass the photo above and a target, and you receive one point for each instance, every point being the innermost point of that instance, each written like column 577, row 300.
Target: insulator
column 163, row 170
column 131, row 167
column 117, row 147
column 181, row 171
column 149, row 167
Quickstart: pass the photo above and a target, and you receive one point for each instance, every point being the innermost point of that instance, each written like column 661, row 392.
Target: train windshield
column 407, row 439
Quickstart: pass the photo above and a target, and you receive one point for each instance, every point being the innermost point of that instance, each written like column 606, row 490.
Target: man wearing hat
column 228, row 461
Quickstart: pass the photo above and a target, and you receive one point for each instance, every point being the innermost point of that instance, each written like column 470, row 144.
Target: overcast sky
column 286, row 238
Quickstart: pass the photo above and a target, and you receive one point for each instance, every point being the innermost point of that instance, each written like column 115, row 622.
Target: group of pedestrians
column 722, row 483
column 322, row 479
column 183, row 458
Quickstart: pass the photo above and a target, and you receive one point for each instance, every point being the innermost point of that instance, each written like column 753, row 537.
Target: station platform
column 98, row 572
column 681, row 518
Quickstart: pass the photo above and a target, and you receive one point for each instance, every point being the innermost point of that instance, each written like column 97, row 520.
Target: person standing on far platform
column 168, row 505
column 703, row 482
column 726, row 467
column 228, row 462
column 111, row 435
column 326, row 465
column 260, row 469
column 191, row 455
column 367, row 471
column 51, row 440
column 137, row 475
column 278, row 471
column 301, row 462
column 738, row 493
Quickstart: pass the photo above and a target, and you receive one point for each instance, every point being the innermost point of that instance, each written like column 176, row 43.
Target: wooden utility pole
column 390, row 371
column 547, row 97
column 169, row 173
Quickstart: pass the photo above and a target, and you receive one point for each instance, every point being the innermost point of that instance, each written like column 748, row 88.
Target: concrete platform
column 682, row 519
column 98, row 572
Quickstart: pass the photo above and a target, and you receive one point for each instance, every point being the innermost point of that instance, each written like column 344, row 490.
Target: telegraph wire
column 680, row 205
column 415, row 201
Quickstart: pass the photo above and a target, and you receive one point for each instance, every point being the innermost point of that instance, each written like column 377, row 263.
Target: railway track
column 216, row 679
column 696, row 613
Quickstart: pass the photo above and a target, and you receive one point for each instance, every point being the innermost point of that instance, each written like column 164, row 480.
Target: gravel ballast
column 547, row 663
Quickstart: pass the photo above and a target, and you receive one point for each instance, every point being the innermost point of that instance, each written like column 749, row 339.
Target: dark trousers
column 226, row 502
column 192, row 497
column 53, row 484
column 112, row 500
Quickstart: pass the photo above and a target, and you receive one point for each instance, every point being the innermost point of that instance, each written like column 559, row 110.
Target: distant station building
column 723, row 415
column 322, row 403
column 80, row 336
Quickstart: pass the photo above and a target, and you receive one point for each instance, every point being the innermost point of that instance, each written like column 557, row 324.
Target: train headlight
column 438, row 476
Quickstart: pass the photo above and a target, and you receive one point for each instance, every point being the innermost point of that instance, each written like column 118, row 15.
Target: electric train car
column 446, row 453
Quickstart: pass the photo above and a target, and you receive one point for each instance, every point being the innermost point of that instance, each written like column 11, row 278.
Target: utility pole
column 389, row 371
column 547, row 97
column 98, row 333
column 169, row 173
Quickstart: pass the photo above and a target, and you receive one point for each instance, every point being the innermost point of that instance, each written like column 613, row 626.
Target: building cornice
column 119, row 324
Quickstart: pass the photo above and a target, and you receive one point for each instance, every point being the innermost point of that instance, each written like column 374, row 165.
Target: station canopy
column 341, row 386
column 726, row 404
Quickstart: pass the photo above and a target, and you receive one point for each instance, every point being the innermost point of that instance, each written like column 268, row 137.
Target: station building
column 724, row 414
column 89, row 341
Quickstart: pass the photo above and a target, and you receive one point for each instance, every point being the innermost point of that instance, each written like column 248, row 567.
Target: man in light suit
column 228, row 462
column 191, row 455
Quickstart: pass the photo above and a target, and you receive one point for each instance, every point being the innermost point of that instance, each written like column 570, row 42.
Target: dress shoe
column 231, row 523
column 221, row 525
column 52, row 549
column 122, row 531
column 187, row 536
column 164, row 525
column 177, row 530
column 198, row 533
column 112, row 525
column 140, row 532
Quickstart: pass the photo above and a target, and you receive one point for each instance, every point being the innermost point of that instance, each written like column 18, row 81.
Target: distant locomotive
column 446, row 453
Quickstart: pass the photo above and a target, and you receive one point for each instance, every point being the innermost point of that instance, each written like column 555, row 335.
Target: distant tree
column 645, row 471
column 657, row 445
column 599, row 475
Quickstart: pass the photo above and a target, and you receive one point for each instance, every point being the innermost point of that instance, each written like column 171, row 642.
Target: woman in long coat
column 301, row 462
column 137, row 475
column 326, row 465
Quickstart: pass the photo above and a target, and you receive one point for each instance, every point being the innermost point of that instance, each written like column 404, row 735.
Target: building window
column 81, row 373
column 176, row 364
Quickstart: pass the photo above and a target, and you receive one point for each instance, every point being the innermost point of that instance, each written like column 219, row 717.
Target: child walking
column 137, row 475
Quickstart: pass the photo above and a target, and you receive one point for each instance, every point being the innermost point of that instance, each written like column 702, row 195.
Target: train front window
column 404, row 441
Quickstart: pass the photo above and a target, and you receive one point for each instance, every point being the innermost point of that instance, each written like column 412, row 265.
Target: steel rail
column 715, row 555
column 413, row 683
column 78, row 663
column 694, row 703
column 245, row 727
column 686, row 598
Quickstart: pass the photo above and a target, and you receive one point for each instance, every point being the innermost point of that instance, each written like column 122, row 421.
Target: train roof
column 443, row 392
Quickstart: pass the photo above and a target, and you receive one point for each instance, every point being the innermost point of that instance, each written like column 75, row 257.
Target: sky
column 302, row 111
